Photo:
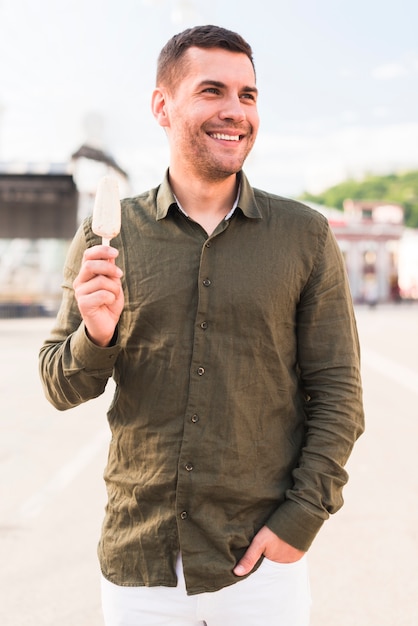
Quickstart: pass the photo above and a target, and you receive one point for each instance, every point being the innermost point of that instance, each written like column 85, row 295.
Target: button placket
column 187, row 478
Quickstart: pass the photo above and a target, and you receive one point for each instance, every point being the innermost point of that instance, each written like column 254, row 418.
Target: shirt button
column 188, row 467
column 208, row 244
column 204, row 325
column 183, row 515
column 200, row 371
column 206, row 282
column 195, row 418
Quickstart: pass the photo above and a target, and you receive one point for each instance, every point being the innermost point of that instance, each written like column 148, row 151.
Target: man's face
column 211, row 116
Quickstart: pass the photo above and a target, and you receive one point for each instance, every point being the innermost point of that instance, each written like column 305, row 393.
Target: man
column 228, row 327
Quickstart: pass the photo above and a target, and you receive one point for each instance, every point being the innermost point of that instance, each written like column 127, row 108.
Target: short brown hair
column 171, row 63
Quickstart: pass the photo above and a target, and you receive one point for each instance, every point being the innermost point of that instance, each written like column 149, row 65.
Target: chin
column 220, row 175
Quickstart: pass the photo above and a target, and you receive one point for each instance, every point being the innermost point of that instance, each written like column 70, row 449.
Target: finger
column 91, row 302
column 98, row 252
column 248, row 561
column 97, row 284
column 94, row 268
column 101, row 268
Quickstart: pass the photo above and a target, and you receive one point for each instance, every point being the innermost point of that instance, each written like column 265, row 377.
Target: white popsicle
column 106, row 212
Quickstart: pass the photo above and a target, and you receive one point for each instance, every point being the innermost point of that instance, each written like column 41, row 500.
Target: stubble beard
column 214, row 169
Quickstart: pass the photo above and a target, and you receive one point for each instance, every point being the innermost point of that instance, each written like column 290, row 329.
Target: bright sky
column 338, row 83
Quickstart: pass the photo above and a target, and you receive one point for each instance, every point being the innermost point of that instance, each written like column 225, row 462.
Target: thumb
column 250, row 558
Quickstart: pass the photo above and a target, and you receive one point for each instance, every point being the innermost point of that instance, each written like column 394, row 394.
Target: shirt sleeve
column 329, row 365
column 72, row 368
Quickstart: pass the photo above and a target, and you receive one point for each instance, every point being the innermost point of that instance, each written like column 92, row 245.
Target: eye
column 248, row 96
column 213, row 90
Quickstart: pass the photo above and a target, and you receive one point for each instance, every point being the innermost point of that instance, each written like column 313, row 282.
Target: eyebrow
column 221, row 85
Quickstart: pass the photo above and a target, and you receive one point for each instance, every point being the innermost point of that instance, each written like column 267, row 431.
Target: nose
column 232, row 109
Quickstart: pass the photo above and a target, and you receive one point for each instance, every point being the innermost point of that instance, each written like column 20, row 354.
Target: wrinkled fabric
column 238, row 393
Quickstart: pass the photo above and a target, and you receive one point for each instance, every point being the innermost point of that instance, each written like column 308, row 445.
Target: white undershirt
column 227, row 216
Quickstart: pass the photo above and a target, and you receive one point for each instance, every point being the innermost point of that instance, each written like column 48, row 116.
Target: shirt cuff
column 295, row 525
column 90, row 357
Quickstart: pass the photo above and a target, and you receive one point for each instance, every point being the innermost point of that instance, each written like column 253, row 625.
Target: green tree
column 400, row 188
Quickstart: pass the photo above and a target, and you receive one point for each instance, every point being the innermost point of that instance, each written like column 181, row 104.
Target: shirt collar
column 245, row 199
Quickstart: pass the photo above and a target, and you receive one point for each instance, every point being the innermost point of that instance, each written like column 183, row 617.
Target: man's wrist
column 104, row 342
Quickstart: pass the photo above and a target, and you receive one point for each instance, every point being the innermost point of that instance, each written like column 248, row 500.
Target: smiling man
column 208, row 106
column 224, row 315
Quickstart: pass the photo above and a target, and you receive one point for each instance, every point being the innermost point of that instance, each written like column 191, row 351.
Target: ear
column 159, row 107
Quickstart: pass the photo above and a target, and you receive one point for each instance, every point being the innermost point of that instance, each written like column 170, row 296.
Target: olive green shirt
column 238, row 393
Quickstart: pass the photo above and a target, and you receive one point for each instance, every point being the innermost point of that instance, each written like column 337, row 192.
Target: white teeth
column 226, row 137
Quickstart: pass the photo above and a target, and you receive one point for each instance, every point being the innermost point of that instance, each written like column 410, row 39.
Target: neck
column 205, row 203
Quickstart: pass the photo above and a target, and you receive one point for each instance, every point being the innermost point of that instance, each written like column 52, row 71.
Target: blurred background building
column 41, row 206
column 370, row 236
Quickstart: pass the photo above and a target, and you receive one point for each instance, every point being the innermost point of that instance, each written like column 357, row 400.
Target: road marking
column 400, row 374
column 36, row 503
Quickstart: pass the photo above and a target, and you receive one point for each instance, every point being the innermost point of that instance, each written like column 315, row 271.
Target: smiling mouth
column 225, row 137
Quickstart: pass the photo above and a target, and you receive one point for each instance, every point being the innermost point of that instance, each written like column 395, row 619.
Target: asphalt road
column 364, row 562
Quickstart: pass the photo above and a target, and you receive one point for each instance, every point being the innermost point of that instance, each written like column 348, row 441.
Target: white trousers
column 275, row 595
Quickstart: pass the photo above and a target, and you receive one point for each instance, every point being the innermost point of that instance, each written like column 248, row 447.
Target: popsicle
column 106, row 211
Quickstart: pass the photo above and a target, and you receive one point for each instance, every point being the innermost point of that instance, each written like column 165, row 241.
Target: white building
column 370, row 236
